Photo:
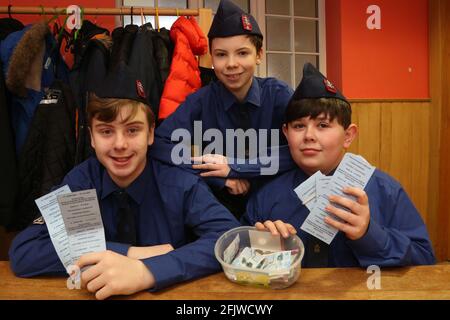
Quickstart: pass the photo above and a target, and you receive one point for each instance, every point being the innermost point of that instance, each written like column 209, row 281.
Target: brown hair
column 107, row 109
column 255, row 39
column 331, row 107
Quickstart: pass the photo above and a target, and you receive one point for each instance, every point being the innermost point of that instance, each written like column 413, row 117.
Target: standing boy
column 146, row 207
column 238, row 100
column 382, row 226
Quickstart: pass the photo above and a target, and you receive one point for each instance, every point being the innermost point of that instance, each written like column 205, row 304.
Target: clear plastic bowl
column 253, row 277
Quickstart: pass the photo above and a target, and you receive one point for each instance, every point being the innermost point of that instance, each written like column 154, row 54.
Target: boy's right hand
column 148, row 252
column 216, row 165
column 276, row 228
column 111, row 274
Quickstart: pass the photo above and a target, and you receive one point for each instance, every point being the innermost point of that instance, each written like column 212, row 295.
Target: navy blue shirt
column 166, row 201
column 397, row 235
column 217, row 108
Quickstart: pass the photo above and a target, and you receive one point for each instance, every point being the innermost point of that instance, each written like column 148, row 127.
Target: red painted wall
column 104, row 21
column 387, row 63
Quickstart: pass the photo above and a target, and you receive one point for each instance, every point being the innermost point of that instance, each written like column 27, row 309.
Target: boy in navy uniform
column 238, row 100
column 382, row 227
column 146, row 206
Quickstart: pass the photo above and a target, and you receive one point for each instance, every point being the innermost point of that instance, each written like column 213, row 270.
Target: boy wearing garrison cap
column 238, row 100
column 146, row 207
column 381, row 227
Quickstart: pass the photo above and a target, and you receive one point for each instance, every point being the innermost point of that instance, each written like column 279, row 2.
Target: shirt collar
column 136, row 190
column 253, row 95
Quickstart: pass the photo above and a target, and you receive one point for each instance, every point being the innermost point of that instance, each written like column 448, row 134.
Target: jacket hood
column 195, row 36
column 22, row 53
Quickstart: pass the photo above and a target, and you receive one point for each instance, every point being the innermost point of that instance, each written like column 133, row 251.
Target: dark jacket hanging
column 31, row 64
column 163, row 50
column 92, row 52
column 48, row 153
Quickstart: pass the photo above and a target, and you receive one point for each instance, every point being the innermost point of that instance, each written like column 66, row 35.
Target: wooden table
column 424, row 282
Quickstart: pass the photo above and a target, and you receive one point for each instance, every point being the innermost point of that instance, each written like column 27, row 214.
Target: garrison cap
column 230, row 20
column 126, row 77
column 315, row 85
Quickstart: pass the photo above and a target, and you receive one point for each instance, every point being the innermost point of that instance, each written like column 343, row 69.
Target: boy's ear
column 285, row 129
column 151, row 135
column 259, row 56
column 350, row 134
column 92, row 138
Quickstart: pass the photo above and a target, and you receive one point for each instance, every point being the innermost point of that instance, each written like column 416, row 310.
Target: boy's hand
column 356, row 222
column 216, row 164
column 148, row 252
column 113, row 274
column 237, row 186
column 276, row 228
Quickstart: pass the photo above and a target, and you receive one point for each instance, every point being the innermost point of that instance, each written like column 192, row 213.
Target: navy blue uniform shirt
column 217, row 108
column 397, row 235
column 166, row 202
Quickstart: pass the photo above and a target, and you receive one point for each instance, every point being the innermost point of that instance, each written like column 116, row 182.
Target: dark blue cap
column 230, row 20
column 127, row 76
column 315, row 85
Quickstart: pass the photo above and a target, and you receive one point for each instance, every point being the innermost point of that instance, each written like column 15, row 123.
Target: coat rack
column 204, row 16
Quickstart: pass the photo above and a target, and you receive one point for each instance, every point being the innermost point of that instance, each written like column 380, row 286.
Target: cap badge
column 329, row 86
column 140, row 89
column 246, row 24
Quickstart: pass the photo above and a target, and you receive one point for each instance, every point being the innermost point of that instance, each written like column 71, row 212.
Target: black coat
column 48, row 153
column 84, row 77
column 163, row 51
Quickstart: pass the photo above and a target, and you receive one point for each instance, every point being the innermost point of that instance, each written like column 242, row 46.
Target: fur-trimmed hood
column 23, row 53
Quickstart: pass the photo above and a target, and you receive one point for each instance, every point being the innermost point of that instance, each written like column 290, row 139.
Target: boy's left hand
column 216, row 164
column 356, row 222
column 113, row 274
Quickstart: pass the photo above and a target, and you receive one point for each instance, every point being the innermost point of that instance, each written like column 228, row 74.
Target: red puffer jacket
column 184, row 77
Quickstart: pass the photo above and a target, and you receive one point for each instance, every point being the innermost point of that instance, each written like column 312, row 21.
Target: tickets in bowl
column 252, row 257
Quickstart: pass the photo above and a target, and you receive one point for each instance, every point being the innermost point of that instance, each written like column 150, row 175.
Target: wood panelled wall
column 440, row 125
column 397, row 137
column 394, row 137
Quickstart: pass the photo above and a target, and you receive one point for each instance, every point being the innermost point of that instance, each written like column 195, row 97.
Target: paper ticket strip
column 353, row 171
column 75, row 226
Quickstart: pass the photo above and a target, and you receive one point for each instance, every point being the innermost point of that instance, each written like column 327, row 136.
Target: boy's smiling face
column 318, row 144
column 121, row 146
column 235, row 60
